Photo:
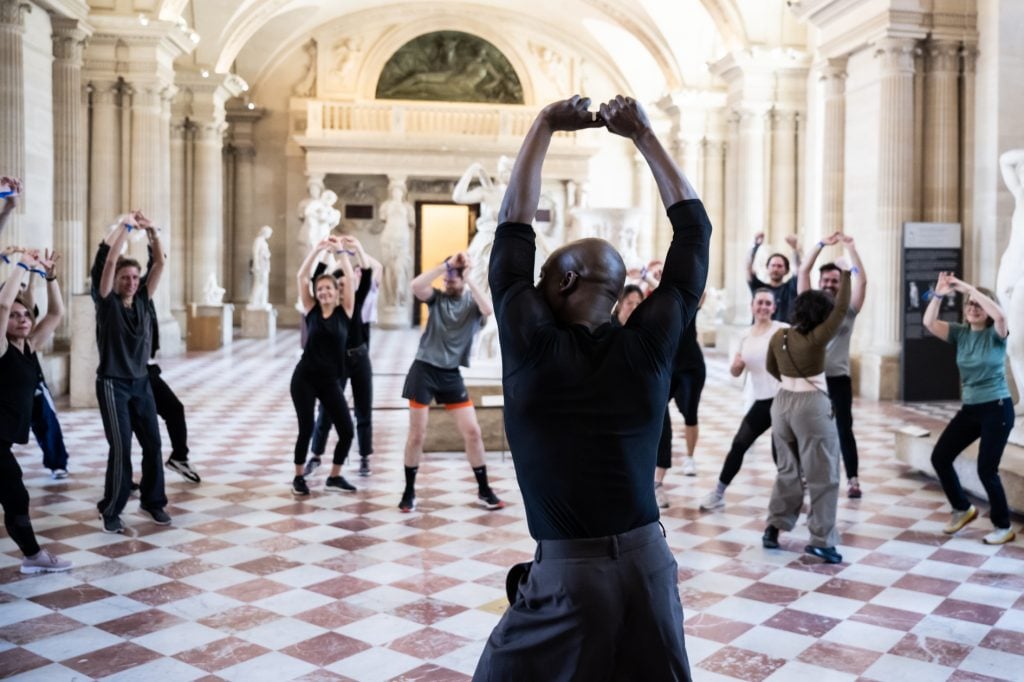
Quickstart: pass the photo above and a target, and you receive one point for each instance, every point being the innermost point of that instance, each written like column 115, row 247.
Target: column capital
column 69, row 41
column 897, row 54
column 943, row 56
column 970, row 55
column 12, row 13
column 832, row 69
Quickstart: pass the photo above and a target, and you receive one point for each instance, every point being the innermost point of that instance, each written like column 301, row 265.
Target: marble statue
column 320, row 217
column 399, row 218
column 307, row 86
column 258, row 297
column 476, row 187
column 1010, row 282
column 213, row 293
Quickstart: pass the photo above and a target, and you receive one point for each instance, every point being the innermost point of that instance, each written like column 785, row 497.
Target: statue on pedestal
column 399, row 218
column 260, row 269
column 1010, row 282
column 213, row 293
column 476, row 187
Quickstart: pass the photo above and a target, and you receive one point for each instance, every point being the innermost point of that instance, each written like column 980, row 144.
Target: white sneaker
column 999, row 536
column 959, row 519
column 44, row 562
column 689, row 467
column 59, row 474
column 660, row 496
column 712, row 501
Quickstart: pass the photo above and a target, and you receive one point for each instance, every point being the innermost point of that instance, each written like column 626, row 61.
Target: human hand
column 958, row 284
column 848, row 243
column 759, row 239
column 944, row 284
column 624, row 116
column 12, row 185
column 571, row 114
column 737, row 363
column 832, row 239
column 49, row 263
column 9, row 251
column 792, row 241
column 30, row 258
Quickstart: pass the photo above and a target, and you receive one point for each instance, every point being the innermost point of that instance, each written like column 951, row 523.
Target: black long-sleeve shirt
column 584, row 409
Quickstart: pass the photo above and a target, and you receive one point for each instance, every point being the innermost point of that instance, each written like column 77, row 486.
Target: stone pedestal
column 914, row 447
column 85, row 356
column 394, row 317
column 259, row 324
column 443, row 436
column 209, row 326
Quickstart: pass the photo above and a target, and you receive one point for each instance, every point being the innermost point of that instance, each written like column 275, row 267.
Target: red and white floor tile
column 250, row 584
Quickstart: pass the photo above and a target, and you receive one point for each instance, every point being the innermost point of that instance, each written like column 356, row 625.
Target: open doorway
column 441, row 230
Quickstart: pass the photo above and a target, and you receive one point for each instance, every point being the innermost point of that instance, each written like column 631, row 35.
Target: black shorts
column 688, row 385
column 425, row 383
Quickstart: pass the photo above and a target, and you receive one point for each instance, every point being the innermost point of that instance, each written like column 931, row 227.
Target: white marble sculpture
column 319, row 218
column 1010, row 281
column 213, row 293
column 258, row 297
column 399, row 218
column 476, row 187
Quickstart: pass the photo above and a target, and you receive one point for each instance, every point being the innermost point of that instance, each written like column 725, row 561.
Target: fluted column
column 144, row 178
column 941, row 132
column 244, row 229
column 179, row 215
column 68, row 162
column 783, row 174
column 12, row 104
column 895, row 198
column 207, row 247
column 748, row 202
column 973, row 239
column 104, row 160
column 712, row 192
column 833, row 147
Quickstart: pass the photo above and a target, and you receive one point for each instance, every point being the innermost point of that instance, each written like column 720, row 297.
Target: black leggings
column 840, row 390
column 306, row 390
column 756, row 421
column 992, row 422
column 685, row 389
column 14, row 498
column 360, row 372
column 170, row 409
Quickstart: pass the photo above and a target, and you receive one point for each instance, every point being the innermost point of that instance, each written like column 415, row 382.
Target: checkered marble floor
column 250, row 584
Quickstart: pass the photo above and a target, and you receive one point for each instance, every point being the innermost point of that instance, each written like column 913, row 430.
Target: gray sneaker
column 112, row 524
column 312, row 464
column 712, row 501
column 159, row 516
column 44, row 562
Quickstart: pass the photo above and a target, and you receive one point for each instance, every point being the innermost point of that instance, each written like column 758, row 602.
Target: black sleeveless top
column 324, row 354
column 19, row 375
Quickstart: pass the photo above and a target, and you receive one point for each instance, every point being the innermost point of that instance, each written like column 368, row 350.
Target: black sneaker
column 299, row 487
column 183, row 468
column 408, row 503
column 364, row 466
column 339, row 484
column 112, row 524
column 770, row 539
column 312, row 464
column 490, row 500
column 827, row 554
column 135, row 489
column 159, row 516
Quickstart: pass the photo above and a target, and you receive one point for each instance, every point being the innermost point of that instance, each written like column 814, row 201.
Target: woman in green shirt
column 987, row 412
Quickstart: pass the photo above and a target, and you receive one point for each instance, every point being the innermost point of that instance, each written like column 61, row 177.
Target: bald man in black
column 584, row 403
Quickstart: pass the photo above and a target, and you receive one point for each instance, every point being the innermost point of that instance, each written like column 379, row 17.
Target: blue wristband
column 129, row 226
column 7, row 193
column 854, row 270
column 821, row 244
column 4, row 256
column 41, row 273
column 22, row 265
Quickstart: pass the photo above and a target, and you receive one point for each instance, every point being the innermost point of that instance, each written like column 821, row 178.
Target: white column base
column 170, row 337
column 85, row 356
column 259, row 324
column 879, row 376
column 393, row 317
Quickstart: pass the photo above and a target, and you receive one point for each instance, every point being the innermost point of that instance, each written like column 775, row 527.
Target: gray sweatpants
column 807, row 441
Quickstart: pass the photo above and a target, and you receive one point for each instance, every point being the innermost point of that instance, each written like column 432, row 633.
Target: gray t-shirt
column 453, row 322
column 124, row 335
column 837, row 352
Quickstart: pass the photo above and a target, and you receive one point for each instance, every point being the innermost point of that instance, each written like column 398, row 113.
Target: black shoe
column 338, row 483
column 364, row 466
column 827, row 554
column 408, row 502
column 299, row 487
column 312, row 464
column 159, row 516
column 490, row 500
column 770, row 539
column 183, row 468
column 112, row 524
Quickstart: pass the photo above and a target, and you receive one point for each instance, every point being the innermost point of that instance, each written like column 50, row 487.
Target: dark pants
column 596, row 609
column 756, row 421
column 172, row 412
column 992, row 422
column 127, row 405
column 14, row 499
column 46, row 429
column 306, row 390
column 359, row 370
column 840, row 390
column 685, row 389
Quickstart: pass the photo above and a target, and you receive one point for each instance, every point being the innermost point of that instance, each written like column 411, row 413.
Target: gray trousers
column 807, row 441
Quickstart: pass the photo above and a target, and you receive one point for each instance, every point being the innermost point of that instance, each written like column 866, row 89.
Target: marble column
column 971, row 236
column 783, row 174
column 12, row 104
column 179, row 217
column 748, row 202
column 941, row 132
column 207, row 248
column 68, row 162
column 833, row 145
column 895, row 177
column 649, row 244
column 104, row 161
column 712, row 192
column 244, row 230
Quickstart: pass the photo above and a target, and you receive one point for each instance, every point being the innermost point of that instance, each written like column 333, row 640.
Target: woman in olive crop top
column 803, row 428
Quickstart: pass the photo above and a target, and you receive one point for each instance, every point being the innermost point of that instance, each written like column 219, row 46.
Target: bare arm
column 990, row 307
column 7, row 296
column 737, row 366
column 758, row 240
column 422, row 284
column 10, row 202
column 860, row 279
column 803, row 282
column 1009, row 162
column 483, row 301
column 795, row 246
column 462, row 194
column 348, row 293
column 302, row 278
column 931, row 320
column 54, row 303
column 118, row 238
column 156, row 249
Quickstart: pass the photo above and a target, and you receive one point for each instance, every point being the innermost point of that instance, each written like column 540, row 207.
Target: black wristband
column 52, row 279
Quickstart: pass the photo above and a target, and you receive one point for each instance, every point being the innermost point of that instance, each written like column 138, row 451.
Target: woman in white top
column 760, row 388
